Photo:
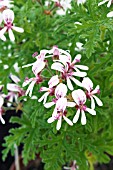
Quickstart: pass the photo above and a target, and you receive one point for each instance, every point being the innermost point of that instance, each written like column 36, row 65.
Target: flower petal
column 82, row 67
column 30, row 88
column 2, row 120
column 57, row 66
column 68, row 120
column 38, row 67
column 76, row 117
column 8, row 16
column 110, row 14
column 26, row 82
column 61, row 90
column 69, row 84
column 83, row 118
column 61, row 104
column 2, row 32
column 87, row 84
column 50, row 120
column 71, row 104
column 11, row 35
column 49, row 104
column 79, row 96
column 98, row 101
column 14, row 78
column 18, row 29
column 1, row 101
column 44, row 97
column 91, row 111
column 79, row 74
column 53, row 81
column 59, row 123
column 92, row 103
column 101, row 3
column 77, row 82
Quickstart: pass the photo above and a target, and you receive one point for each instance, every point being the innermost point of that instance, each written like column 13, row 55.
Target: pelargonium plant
column 59, row 73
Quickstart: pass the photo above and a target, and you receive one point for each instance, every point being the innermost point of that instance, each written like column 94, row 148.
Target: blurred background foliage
column 43, row 28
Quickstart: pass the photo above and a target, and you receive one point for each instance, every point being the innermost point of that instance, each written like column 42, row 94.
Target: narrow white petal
column 77, row 58
column 44, row 97
column 110, row 14
column 18, row 29
column 96, row 90
column 92, row 103
column 109, row 3
column 59, row 123
column 30, row 88
column 83, row 118
column 3, row 38
column 71, row 104
column 79, row 74
column 76, row 117
column 91, row 111
column 57, row 66
column 2, row 32
column 101, row 3
column 68, row 121
column 50, row 120
column 27, row 65
column 2, row 120
column 48, row 105
column 26, row 82
column 44, row 89
column 11, row 35
column 14, row 78
column 1, row 101
column 69, row 84
column 77, row 82
column 82, row 67
column 98, row 101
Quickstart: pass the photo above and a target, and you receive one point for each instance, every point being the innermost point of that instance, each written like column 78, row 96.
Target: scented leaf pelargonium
column 88, row 24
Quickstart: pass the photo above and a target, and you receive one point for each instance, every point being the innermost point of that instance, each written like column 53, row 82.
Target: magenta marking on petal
column 35, row 54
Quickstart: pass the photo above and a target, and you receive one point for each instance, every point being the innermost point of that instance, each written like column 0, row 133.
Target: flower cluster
column 14, row 91
column 68, row 86
column 6, row 20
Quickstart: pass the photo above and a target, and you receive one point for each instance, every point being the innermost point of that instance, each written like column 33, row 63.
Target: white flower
column 39, row 64
column 88, row 85
column 31, row 82
column 60, row 91
column 104, row 1
column 6, row 3
column 8, row 17
column 110, row 14
column 59, row 112
column 69, row 70
column 80, row 2
column 49, row 91
column 80, row 99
